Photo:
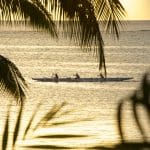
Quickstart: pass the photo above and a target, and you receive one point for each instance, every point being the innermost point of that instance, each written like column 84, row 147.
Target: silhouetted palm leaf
column 44, row 122
column 136, row 117
column 132, row 146
column 6, row 131
column 18, row 123
column 32, row 11
column 124, row 146
column 61, row 136
column 66, row 122
column 31, row 121
column 81, row 25
column 80, row 20
column 140, row 97
column 119, row 119
column 110, row 12
column 47, row 121
column 47, row 147
column 50, row 115
column 11, row 79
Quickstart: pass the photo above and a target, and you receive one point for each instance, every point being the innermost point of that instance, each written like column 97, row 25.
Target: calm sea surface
column 37, row 55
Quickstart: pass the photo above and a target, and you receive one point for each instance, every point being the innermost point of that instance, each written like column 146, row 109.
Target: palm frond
column 50, row 115
column 124, row 146
column 136, row 117
column 132, row 146
column 32, row 12
column 47, row 121
column 6, row 131
column 11, row 79
column 80, row 24
column 146, row 93
column 119, row 120
column 142, row 97
column 28, row 127
column 139, row 97
column 110, row 12
column 61, row 136
column 17, row 126
column 146, row 90
column 46, row 147
column 66, row 122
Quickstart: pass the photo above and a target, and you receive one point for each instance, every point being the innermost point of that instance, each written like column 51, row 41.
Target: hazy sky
column 137, row 9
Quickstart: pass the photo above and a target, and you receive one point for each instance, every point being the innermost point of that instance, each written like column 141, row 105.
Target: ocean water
column 37, row 55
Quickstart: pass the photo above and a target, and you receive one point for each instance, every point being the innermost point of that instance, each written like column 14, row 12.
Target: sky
column 137, row 9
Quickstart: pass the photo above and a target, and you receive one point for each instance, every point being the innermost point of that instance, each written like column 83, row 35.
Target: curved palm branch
column 80, row 23
column 137, row 119
column 11, row 79
column 48, row 120
column 110, row 12
column 83, row 17
column 32, row 11
column 119, row 120
column 140, row 97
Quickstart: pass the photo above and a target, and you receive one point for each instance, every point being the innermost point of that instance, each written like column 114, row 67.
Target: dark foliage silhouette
column 46, row 121
column 11, row 79
column 79, row 19
column 140, row 97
